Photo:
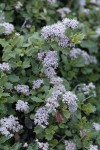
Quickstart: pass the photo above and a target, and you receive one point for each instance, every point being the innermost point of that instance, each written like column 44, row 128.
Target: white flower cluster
column 9, row 28
column 82, row 3
column 37, row 83
column 52, row 2
column 58, row 90
column 24, row 89
column 71, row 100
column 97, row 2
column 96, row 126
column 87, row 89
column 10, row 125
column 50, row 62
column 25, row 145
column 5, row 67
column 63, row 11
column 69, row 145
column 77, row 52
column 22, row 106
column 93, row 147
column 42, row 146
column 18, row 5
column 41, row 117
column 58, row 30
column 85, row 11
column 98, row 31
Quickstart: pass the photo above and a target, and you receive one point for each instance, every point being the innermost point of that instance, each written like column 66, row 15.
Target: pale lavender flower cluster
column 97, row 2
column 82, row 3
column 23, row 89
column 96, row 126
column 63, row 11
column 87, row 89
column 98, row 31
column 37, row 83
column 42, row 146
column 49, row 72
column 5, row 67
column 69, row 145
column 10, row 125
column 49, row 59
column 50, row 62
column 70, row 23
column 52, row 104
column 58, row 90
column 77, row 52
column 41, row 117
column 9, row 28
column 93, row 147
column 58, row 30
column 71, row 100
column 52, row 2
column 22, row 106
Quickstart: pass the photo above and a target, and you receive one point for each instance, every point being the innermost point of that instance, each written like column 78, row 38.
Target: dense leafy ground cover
column 49, row 75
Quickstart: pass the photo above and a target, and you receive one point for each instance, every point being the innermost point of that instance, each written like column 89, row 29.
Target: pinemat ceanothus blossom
column 69, row 145
column 5, row 67
column 93, row 147
column 37, row 83
column 71, row 100
column 42, row 146
column 23, row 89
column 22, row 106
column 96, row 126
column 10, row 125
column 9, row 28
column 87, row 89
column 77, row 52
column 58, row 30
column 63, row 11
column 41, row 117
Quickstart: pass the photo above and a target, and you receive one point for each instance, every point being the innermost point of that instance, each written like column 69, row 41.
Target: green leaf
column 13, row 78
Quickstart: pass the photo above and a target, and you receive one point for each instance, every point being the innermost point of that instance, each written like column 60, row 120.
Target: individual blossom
column 50, row 72
column 56, row 80
column 63, row 11
column 82, row 3
column 37, row 83
column 57, row 30
column 42, row 146
column 93, row 147
column 22, row 106
column 71, row 23
column 96, row 126
column 50, row 59
column 9, row 126
column 85, row 11
column 77, row 52
column 24, row 89
column 41, row 55
column 64, row 41
column 98, row 31
column 52, row 104
column 87, row 89
column 18, row 5
column 41, row 117
column 69, row 145
column 9, row 28
column 70, row 99
column 5, row 67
